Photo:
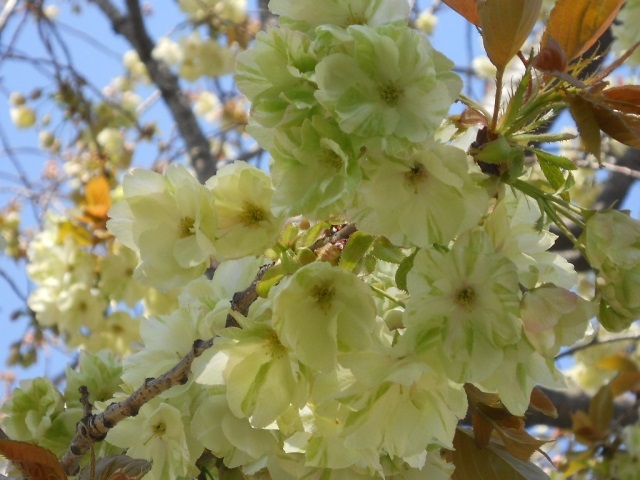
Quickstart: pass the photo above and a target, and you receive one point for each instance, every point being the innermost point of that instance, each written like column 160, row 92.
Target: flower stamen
column 466, row 297
column 390, row 93
column 323, row 293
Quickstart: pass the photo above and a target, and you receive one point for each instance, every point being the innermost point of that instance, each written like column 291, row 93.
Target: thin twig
column 132, row 27
column 13, row 285
column 609, row 166
column 595, row 342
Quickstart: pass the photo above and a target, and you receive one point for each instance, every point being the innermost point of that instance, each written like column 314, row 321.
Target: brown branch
column 595, row 341
column 241, row 301
column 568, row 401
column 267, row 19
column 342, row 234
column 95, row 427
column 132, row 27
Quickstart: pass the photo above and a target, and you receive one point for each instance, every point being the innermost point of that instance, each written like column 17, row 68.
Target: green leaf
column 515, row 102
column 290, row 262
column 556, row 160
column 568, row 185
column 386, row 251
column 357, row 247
column 601, row 409
column 403, row 270
column 497, row 151
column 490, row 463
column 552, row 173
column 289, row 235
column 270, row 279
column 304, row 256
column 369, row 264
column 309, row 236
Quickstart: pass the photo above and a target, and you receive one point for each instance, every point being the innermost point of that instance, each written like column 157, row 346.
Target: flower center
column 275, row 349
column 416, row 175
column 332, row 159
column 355, row 18
column 323, row 293
column 186, row 227
column 252, row 214
column 466, row 298
column 390, row 93
column 157, row 430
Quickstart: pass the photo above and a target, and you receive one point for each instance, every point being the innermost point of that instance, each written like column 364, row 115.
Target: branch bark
column 267, row 18
column 131, row 26
column 571, row 400
column 95, row 427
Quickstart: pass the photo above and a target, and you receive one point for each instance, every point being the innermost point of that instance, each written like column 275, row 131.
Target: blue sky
column 452, row 36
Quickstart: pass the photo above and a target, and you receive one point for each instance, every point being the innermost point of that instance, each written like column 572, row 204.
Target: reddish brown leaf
column 511, row 421
column 519, row 443
column 583, row 114
column 624, row 382
column 584, row 429
column 491, row 463
column 36, row 462
column 118, row 467
column 540, row 402
column 482, row 429
column 551, row 58
column 472, row 117
column 622, row 127
column 497, row 414
column 467, row 8
column 577, row 24
column 476, row 396
column 625, row 98
column 505, row 26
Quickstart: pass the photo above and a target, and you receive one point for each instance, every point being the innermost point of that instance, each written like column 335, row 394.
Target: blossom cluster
column 352, row 360
column 347, row 371
column 177, row 225
column 88, row 296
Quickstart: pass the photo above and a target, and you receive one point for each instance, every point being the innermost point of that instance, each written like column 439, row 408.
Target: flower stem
column 554, row 206
column 384, row 294
column 498, row 100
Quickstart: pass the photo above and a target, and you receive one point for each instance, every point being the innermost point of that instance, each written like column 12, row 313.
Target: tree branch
column 132, row 27
column 267, row 19
column 95, row 427
column 568, row 401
